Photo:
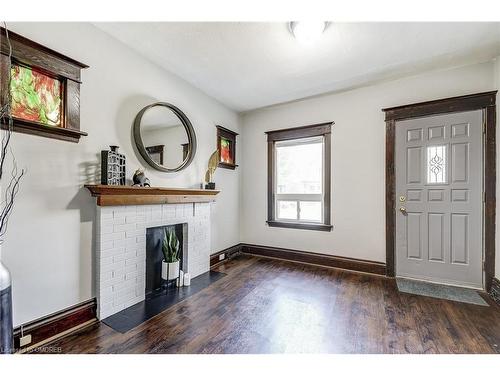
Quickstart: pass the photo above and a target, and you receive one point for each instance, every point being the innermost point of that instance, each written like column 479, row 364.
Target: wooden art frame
column 224, row 134
column 29, row 54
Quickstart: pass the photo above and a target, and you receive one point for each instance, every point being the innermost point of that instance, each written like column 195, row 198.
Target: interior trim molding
column 230, row 252
column 323, row 130
column 485, row 101
column 307, row 226
column 316, row 259
column 120, row 195
column 56, row 325
column 313, row 130
column 495, row 290
column 462, row 103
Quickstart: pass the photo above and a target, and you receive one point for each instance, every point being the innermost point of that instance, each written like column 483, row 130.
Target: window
column 299, row 177
column 436, row 164
column 299, row 186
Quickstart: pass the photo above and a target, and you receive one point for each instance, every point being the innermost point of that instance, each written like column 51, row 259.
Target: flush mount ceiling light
column 307, row 31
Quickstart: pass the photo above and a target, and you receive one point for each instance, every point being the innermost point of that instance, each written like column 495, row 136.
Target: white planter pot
column 169, row 271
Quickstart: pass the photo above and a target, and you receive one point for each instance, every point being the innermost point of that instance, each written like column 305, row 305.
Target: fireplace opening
column 154, row 241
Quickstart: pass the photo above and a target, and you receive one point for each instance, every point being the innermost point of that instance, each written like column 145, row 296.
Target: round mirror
column 164, row 137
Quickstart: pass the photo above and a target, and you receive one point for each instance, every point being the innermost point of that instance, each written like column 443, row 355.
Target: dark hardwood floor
column 272, row 306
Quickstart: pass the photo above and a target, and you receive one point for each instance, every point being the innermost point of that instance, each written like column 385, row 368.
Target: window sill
column 227, row 165
column 57, row 132
column 307, row 226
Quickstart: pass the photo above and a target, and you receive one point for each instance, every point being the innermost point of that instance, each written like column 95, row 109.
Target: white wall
column 358, row 159
column 49, row 246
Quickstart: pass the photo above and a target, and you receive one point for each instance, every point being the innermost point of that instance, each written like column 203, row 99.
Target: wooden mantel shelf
column 110, row 195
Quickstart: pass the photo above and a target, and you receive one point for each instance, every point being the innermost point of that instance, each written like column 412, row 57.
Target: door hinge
column 484, row 197
column 484, row 127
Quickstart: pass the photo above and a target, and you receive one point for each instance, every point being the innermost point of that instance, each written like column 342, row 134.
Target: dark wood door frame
column 485, row 101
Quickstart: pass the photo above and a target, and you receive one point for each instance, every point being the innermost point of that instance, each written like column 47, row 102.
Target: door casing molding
column 485, row 101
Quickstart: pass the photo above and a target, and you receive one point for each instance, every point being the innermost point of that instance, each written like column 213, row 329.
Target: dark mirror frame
column 191, row 145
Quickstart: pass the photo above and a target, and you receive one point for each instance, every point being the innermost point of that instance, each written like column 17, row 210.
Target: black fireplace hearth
column 132, row 316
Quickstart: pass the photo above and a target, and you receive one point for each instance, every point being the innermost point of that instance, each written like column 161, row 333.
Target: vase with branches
column 171, row 257
column 10, row 190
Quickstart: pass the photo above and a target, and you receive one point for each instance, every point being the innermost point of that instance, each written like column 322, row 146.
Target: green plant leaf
column 170, row 246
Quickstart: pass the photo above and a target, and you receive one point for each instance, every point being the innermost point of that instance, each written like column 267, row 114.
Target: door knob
column 403, row 210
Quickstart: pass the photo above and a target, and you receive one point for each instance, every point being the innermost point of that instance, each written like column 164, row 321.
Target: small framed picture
column 43, row 89
column 226, row 144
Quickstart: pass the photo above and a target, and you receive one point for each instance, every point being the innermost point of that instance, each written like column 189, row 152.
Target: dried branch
column 6, row 124
column 10, row 195
column 5, row 114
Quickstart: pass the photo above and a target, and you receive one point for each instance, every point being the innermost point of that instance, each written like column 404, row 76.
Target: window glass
column 225, row 151
column 436, row 164
column 310, row 211
column 299, row 166
column 287, row 210
column 35, row 96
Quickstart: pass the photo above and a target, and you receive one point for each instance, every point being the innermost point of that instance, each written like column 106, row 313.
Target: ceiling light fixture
column 307, row 31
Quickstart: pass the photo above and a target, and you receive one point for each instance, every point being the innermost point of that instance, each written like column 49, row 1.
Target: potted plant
column 170, row 249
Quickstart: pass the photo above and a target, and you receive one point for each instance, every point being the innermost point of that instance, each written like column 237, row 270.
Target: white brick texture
column 121, row 248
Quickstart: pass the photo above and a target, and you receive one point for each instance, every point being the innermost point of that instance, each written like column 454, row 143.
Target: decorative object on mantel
column 44, row 88
column 11, row 189
column 171, row 260
column 164, row 137
column 109, row 195
column 140, row 179
column 226, row 144
column 113, row 167
column 212, row 166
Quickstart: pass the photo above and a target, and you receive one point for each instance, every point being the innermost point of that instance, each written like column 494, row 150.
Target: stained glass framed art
column 226, row 144
column 35, row 96
column 42, row 88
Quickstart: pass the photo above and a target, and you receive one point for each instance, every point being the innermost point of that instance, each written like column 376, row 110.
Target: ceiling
column 248, row 65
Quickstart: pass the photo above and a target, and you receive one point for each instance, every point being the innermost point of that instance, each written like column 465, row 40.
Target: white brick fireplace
column 121, row 248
